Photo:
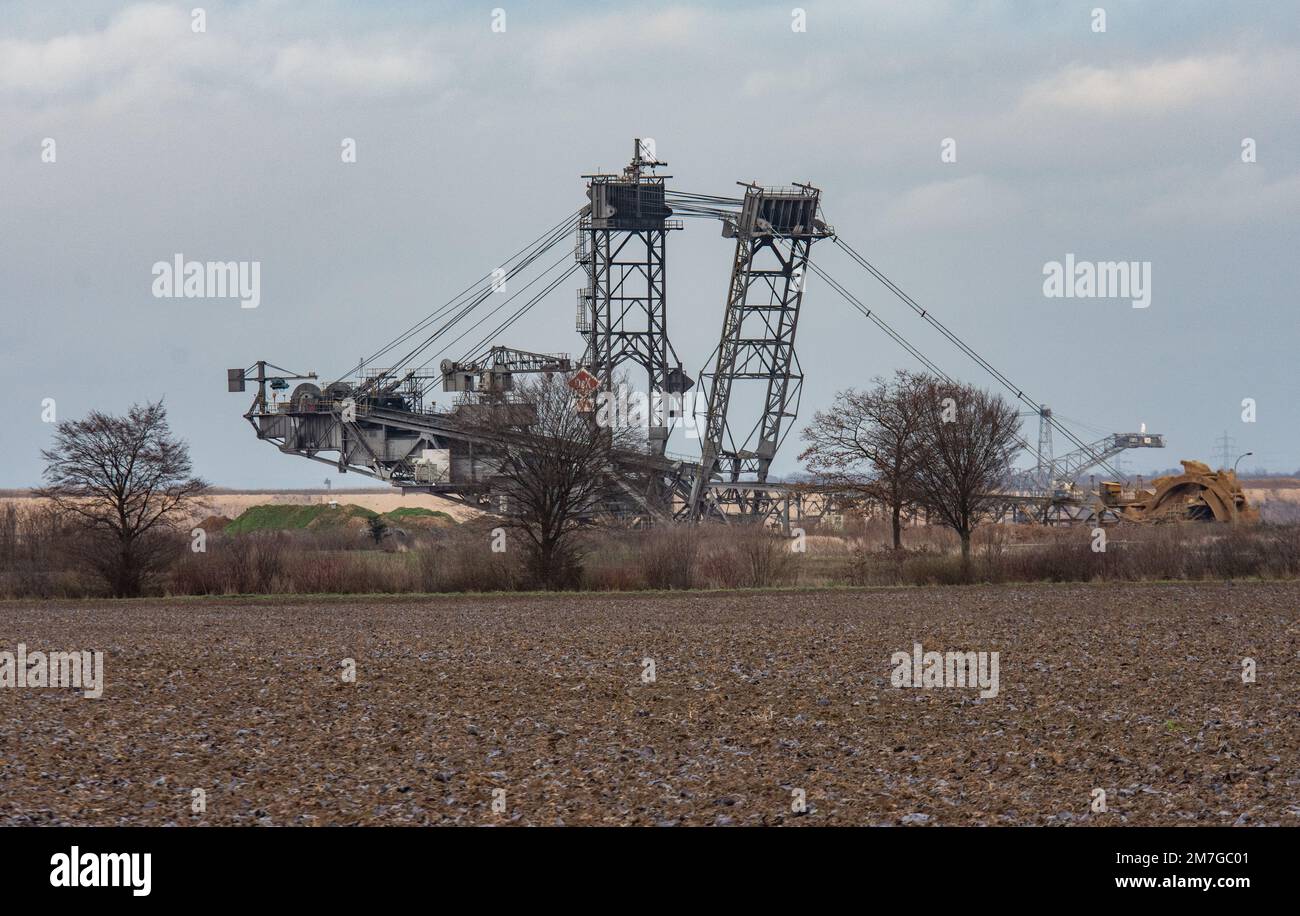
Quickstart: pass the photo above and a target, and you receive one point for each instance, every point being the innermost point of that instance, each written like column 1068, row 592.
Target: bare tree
column 968, row 439
column 868, row 441
column 126, row 483
column 555, row 470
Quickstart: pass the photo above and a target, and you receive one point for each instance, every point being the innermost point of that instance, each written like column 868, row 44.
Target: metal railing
column 583, row 319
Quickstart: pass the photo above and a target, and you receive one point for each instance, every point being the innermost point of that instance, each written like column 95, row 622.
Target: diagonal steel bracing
column 774, row 232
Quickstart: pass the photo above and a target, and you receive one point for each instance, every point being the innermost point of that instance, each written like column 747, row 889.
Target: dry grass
column 40, row 558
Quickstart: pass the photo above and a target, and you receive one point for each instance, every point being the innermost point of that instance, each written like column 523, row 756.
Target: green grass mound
column 285, row 518
column 416, row 512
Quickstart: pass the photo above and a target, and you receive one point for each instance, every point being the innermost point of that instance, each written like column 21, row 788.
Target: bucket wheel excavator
column 1199, row 494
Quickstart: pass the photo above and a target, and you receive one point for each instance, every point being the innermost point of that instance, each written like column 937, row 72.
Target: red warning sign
column 583, row 382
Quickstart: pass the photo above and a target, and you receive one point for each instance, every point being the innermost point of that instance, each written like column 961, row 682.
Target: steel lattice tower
column 774, row 233
column 622, row 311
column 1044, row 468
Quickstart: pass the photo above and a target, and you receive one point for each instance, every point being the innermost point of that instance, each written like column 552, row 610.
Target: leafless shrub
column 193, row 575
column 611, row 560
column 41, row 555
column 252, row 561
column 243, row 564
column 1250, row 553
column 669, row 557
column 462, row 560
column 746, row 556
column 721, row 568
column 1283, row 550
column 612, row 577
column 1143, row 552
column 933, row 569
column 768, row 558
column 471, row 567
column 1057, row 559
column 874, row 567
column 330, row 574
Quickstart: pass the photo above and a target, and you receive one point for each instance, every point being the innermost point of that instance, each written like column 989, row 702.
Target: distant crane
column 1072, row 465
column 1052, row 473
column 1043, row 470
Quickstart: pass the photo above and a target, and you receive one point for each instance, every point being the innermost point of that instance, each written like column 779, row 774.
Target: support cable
column 476, row 290
column 969, row 351
column 522, row 310
column 494, row 311
column 893, row 334
column 481, row 296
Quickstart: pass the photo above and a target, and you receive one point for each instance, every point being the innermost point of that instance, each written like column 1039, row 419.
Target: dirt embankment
column 230, row 504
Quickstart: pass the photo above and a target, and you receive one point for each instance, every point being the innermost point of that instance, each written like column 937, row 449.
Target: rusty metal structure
column 1199, row 494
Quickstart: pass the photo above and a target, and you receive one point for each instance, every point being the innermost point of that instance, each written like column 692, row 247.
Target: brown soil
column 1134, row 689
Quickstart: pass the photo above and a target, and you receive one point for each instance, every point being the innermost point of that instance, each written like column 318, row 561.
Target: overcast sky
column 225, row 145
